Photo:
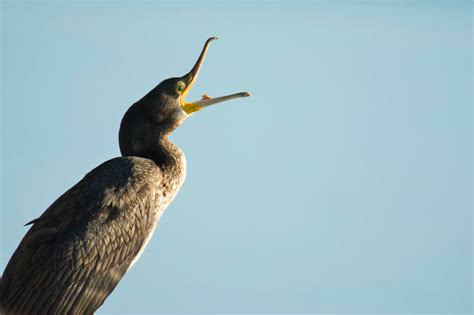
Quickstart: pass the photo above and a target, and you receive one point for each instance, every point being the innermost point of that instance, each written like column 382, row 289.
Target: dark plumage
column 77, row 251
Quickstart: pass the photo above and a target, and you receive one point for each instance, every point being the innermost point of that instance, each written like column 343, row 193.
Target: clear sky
column 342, row 185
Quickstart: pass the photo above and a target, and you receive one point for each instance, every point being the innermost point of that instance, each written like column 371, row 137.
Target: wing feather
column 78, row 250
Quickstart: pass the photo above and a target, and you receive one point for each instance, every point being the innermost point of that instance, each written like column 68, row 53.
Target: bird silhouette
column 78, row 250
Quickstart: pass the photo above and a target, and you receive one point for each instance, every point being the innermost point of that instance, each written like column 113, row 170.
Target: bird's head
column 164, row 108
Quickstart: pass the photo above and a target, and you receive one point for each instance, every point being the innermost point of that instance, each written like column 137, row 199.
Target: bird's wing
column 78, row 250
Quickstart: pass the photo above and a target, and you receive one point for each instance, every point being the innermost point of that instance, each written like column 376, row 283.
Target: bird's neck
column 167, row 155
column 171, row 161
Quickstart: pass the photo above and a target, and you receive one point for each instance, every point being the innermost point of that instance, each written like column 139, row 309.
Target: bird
column 77, row 251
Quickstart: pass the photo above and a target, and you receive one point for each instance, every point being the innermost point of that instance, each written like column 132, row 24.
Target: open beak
column 190, row 78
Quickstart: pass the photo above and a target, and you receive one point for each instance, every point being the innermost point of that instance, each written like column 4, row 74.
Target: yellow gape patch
column 190, row 108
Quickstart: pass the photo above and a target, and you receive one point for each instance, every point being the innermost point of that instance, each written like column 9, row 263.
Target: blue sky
column 342, row 185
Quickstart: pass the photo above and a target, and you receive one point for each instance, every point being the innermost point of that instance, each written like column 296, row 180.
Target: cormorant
column 77, row 251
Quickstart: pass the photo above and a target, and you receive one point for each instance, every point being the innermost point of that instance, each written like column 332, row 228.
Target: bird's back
column 80, row 247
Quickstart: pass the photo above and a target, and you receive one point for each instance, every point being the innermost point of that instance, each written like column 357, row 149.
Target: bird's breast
column 168, row 188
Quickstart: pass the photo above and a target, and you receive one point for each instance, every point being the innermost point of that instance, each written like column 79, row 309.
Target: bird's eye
column 180, row 86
